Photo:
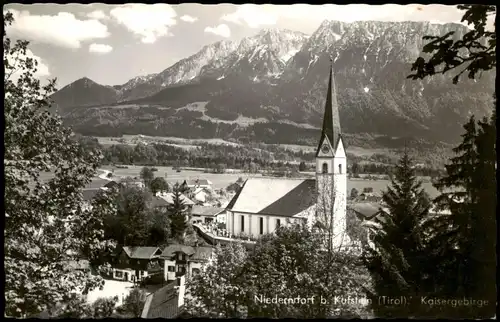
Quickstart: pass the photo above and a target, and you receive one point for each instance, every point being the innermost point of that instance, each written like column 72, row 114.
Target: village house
column 263, row 204
column 207, row 214
column 201, row 195
column 136, row 263
column 164, row 199
column 167, row 302
column 181, row 260
column 197, row 183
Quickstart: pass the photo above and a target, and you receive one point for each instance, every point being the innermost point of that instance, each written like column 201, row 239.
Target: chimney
column 181, row 289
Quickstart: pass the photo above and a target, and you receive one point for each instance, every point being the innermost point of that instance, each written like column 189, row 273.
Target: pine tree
column 463, row 242
column 396, row 260
column 484, row 225
column 177, row 211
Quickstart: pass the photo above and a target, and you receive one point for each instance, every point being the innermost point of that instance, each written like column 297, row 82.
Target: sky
column 111, row 44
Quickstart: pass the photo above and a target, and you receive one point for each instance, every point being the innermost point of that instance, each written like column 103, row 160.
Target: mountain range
column 271, row 88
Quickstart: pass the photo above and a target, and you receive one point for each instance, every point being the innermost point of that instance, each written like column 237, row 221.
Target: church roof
column 331, row 119
column 271, row 196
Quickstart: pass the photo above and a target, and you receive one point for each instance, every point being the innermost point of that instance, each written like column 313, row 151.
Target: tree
column 103, row 307
column 177, row 213
column 302, row 166
column 131, row 225
column 46, row 223
column 397, row 258
column 295, row 262
column 159, row 230
column 475, row 52
column 464, row 242
column 159, row 184
column 354, row 193
column 134, row 302
column 355, row 169
column 147, row 176
column 217, row 291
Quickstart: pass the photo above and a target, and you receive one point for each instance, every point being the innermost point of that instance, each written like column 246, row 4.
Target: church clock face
column 325, row 148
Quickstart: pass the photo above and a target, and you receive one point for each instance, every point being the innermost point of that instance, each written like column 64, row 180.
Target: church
column 263, row 204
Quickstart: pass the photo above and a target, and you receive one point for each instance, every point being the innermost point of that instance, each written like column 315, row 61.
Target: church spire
column 331, row 121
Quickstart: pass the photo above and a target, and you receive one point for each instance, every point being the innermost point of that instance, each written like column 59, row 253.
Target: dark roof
column 195, row 253
column 331, row 120
column 111, row 184
column 280, row 197
column 158, row 202
column 162, row 304
column 206, row 211
column 96, row 183
column 141, row 252
column 89, row 194
column 366, row 210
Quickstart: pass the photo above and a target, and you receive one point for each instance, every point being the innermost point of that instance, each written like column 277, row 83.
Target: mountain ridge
column 280, row 76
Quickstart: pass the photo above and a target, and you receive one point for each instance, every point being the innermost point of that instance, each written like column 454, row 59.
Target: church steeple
column 331, row 121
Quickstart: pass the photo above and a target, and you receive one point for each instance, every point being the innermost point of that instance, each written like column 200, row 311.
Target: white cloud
column 97, row 15
column 149, row 22
column 63, row 29
column 221, row 30
column 253, row 15
column 100, row 48
column 42, row 68
column 188, row 18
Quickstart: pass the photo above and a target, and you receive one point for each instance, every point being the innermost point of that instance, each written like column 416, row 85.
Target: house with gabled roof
column 182, row 260
column 134, row 263
column 263, row 204
column 197, row 183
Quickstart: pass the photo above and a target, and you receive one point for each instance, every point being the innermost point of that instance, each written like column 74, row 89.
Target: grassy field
column 221, row 181
column 174, row 141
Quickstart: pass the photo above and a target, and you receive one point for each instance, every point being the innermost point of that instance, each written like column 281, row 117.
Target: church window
column 340, row 168
column 278, row 223
column 325, row 167
column 242, row 223
column 261, row 225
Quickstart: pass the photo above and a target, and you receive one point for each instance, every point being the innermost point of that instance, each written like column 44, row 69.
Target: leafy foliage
column 46, row 224
column 292, row 263
column 147, row 175
column 134, row 302
column 476, row 50
column 397, row 258
column 159, row 184
column 136, row 222
column 217, row 291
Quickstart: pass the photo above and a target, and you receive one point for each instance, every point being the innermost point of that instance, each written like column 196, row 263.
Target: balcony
column 220, row 236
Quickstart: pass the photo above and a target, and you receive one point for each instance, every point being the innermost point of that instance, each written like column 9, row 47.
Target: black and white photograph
column 306, row 161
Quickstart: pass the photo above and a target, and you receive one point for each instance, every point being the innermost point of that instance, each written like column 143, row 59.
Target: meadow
column 221, row 181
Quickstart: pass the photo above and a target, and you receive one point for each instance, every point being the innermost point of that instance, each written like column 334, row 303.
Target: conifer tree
column 396, row 259
column 177, row 211
column 463, row 244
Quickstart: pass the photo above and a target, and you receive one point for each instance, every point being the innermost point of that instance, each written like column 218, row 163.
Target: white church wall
column 252, row 222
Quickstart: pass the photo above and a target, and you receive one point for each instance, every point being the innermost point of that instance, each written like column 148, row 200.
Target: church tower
column 331, row 170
